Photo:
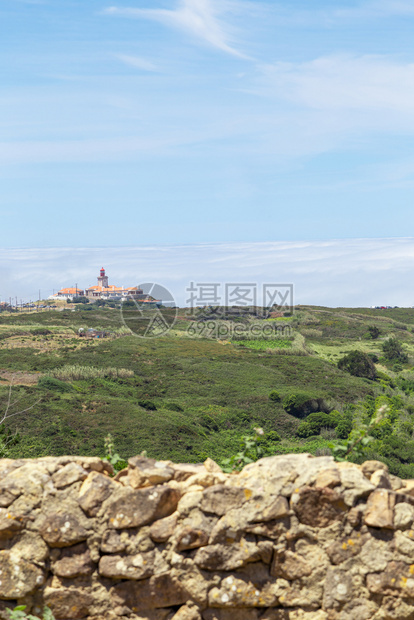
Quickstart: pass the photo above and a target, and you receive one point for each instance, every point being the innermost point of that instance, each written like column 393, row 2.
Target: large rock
column 69, row 474
column 144, row 472
column 233, row 556
column 380, row 509
column 18, row 577
column 318, row 507
column 10, row 523
column 68, row 603
column 74, row 562
column 139, row 566
column 159, row 591
column 62, row 530
column 219, row 498
column 94, row 491
column 136, row 508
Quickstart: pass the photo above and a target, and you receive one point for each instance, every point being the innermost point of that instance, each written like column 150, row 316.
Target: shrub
column 301, row 404
column 373, row 332
column 50, row 383
column 358, row 364
column 80, row 300
column 335, row 418
column 173, row 407
column 147, row 404
column 393, row 351
column 382, row 376
column 41, row 331
column 314, row 423
column 384, row 429
column 269, row 439
column 407, row 427
column 344, row 427
column 275, row 396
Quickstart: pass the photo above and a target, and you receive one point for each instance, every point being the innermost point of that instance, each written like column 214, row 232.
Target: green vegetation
column 113, row 457
column 253, row 447
column 359, row 364
column 301, row 404
column 373, row 331
column 275, row 396
column 186, row 397
column 393, row 351
column 85, row 373
column 265, row 344
column 18, row 613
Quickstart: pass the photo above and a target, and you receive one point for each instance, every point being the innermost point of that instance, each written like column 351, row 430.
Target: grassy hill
column 185, row 397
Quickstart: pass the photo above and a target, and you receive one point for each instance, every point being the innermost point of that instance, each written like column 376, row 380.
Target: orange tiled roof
column 111, row 288
column 70, row 291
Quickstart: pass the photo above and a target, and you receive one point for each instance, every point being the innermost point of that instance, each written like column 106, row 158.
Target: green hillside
column 185, row 397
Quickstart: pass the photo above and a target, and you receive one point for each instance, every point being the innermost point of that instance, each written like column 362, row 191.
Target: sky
column 212, row 123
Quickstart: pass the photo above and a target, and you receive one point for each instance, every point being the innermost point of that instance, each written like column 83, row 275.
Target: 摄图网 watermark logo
column 211, row 309
column 150, row 314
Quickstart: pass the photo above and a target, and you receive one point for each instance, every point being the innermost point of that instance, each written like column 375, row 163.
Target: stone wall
column 289, row 538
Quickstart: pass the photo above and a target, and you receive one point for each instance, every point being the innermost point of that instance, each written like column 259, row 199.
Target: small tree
column 393, row 351
column 374, row 332
column 358, row 364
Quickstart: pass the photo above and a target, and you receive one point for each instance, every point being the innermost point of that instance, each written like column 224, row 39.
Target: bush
column 314, row 423
column 147, row 404
column 384, row 429
column 80, row 300
column 335, row 417
column 302, row 404
column 344, row 428
column 268, row 439
column 382, row 376
column 50, row 383
column 40, row 331
column 373, row 332
column 393, row 351
column 275, row 396
column 173, row 407
column 358, row 364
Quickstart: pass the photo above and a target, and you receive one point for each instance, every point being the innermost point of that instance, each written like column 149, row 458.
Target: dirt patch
column 18, row 377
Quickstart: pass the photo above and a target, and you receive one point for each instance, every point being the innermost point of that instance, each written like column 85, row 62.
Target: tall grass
column 78, row 373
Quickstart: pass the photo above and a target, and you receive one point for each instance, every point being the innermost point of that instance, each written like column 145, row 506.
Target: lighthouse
column 103, row 279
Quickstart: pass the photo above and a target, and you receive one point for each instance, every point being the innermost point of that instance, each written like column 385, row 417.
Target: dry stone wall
column 289, row 538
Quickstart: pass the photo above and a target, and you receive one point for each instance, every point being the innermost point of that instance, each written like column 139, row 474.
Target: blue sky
column 205, row 121
column 208, row 140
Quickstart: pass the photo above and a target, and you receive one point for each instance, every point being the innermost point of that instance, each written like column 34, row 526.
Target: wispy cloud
column 343, row 82
column 198, row 18
column 349, row 272
column 138, row 63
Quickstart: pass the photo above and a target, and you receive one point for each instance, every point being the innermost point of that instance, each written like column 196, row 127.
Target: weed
column 19, row 613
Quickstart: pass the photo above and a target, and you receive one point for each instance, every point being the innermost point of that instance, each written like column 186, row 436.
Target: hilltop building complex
column 104, row 290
